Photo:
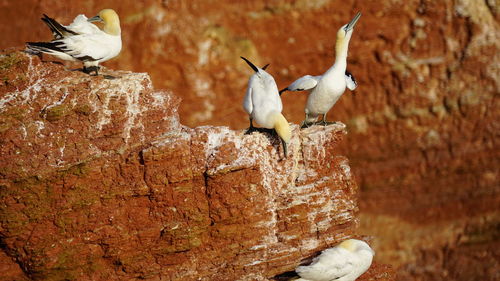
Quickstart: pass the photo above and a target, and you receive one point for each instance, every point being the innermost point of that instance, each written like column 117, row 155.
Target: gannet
column 263, row 104
column 344, row 262
column 82, row 40
column 325, row 90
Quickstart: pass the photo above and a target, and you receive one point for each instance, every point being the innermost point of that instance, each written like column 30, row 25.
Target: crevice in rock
column 207, row 196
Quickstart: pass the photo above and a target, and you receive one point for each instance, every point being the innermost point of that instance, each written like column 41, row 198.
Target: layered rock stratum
column 100, row 181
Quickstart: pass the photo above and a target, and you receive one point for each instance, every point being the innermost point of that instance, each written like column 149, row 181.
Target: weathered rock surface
column 99, row 181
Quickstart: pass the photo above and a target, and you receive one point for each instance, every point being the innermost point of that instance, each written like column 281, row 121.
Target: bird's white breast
column 114, row 45
column 326, row 94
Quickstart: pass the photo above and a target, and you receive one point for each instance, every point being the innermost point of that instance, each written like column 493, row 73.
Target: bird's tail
column 283, row 129
column 44, row 47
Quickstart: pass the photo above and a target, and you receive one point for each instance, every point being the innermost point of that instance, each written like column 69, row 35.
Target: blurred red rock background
column 423, row 124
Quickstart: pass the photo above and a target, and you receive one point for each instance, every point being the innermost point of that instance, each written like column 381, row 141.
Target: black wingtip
column 250, row 64
column 349, row 74
column 283, row 90
column 44, row 46
column 265, row 66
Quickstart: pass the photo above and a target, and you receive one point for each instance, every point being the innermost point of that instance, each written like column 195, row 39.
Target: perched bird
column 325, row 90
column 82, row 40
column 344, row 262
column 263, row 104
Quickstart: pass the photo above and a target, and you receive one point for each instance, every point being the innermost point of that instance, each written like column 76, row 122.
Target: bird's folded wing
column 59, row 31
column 350, row 81
column 88, row 47
column 304, row 83
column 80, row 25
column 247, row 102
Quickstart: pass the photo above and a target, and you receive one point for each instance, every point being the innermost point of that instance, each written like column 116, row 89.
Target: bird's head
column 110, row 19
column 282, row 129
column 354, row 245
column 345, row 31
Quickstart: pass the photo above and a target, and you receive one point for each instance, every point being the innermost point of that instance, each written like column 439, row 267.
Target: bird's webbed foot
column 265, row 130
column 91, row 69
column 324, row 123
column 305, row 124
column 250, row 130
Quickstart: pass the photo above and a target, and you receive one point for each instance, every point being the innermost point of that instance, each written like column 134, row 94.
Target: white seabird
column 263, row 104
column 344, row 262
column 83, row 41
column 325, row 90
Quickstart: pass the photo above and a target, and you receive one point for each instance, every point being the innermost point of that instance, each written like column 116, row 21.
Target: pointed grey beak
column 353, row 22
column 93, row 19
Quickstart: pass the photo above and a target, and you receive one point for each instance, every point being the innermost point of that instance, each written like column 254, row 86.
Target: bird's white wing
column 331, row 264
column 80, row 25
column 88, row 46
column 304, row 83
column 350, row 81
column 247, row 102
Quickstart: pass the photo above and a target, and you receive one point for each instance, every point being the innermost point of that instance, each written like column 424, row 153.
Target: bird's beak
column 353, row 22
column 93, row 19
column 285, row 150
column 251, row 64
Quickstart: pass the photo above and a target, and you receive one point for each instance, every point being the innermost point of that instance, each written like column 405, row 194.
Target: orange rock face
column 422, row 123
column 99, row 181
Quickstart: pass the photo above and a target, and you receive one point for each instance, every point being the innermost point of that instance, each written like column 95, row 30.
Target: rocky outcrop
column 100, row 181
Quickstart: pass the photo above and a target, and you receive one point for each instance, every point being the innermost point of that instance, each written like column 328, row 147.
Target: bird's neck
column 341, row 49
column 112, row 28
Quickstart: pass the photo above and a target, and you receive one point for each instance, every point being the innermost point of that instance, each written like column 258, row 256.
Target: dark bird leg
column 324, row 122
column 305, row 124
column 251, row 129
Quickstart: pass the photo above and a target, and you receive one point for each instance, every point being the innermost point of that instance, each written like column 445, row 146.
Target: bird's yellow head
column 344, row 34
column 354, row 245
column 282, row 129
column 349, row 244
column 108, row 15
column 110, row 19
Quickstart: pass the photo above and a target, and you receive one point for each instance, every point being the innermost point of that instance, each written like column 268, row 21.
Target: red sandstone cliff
column 423, row 123
column 100, row 181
